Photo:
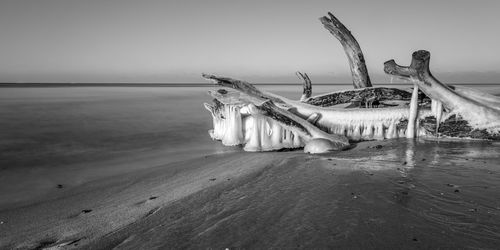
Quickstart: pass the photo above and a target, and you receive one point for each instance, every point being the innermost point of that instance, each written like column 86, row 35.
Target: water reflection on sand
column 397, row 194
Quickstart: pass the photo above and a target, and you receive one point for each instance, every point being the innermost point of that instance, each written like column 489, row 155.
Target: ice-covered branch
column 478, row 112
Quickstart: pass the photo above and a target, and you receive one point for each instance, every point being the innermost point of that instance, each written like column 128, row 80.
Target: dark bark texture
column 362, row 96
column 456, row 127
column 360, row 77
column 307, row 85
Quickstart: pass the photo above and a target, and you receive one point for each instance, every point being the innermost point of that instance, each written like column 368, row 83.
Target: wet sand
column 134, row 168
column 333, row 201
column 392, row 194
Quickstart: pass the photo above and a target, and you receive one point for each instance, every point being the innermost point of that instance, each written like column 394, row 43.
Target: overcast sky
column 258, row 40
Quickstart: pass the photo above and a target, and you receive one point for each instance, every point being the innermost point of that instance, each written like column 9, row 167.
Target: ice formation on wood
column 369, row 124
column 238, row 121
column 265, row 134
column 354, row 123
column 437, row 111
column 412, row 120
column 480, row 110
column 262, row 121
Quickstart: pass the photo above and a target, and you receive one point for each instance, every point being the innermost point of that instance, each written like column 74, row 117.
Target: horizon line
column 150, row 84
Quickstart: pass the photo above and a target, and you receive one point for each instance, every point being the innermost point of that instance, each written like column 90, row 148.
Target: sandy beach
column 126, row 169
column 280, row 199
column 83, row 213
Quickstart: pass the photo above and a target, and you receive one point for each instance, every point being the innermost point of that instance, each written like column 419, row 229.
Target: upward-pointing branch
column 307, row 86
column 360, row 77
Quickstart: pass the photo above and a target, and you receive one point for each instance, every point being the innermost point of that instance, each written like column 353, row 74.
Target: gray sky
column 258, row 40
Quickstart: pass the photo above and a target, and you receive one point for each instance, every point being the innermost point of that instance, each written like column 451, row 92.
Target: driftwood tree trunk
column 307, row 91
column 382, row 96
column 458, row 126
column 360, row 77
column 419, row 70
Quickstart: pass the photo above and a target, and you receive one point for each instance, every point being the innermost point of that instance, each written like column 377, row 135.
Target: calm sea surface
column 52, row 126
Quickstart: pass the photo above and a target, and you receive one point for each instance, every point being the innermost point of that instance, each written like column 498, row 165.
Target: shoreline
column 288, row 199
column 99, row 206
column 201, row 84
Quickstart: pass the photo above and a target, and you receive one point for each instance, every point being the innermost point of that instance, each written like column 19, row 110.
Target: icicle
column 297, row 142
column 233, row 135
column 287, row 140
column 439, row 115
column 219, row 129
column 217, row 133
column 379, row 132
column 412, row 119
column 391, row 131
column 252, row 133
column 372, row 125
column 341, row 130
column 266, row 142
column 265, row 134
column 402, row 133
column 367, row 132
column 355, row 133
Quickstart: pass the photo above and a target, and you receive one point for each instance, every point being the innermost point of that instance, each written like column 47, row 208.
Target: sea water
column 51, row 135
column 72, row 135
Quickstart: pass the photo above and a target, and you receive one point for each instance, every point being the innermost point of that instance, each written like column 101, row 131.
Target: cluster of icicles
column 370, row 125
column 243, row 125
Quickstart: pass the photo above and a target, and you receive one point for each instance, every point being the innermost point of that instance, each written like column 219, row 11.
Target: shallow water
column 61, row 125
column 425, row 193
column 51, row 136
